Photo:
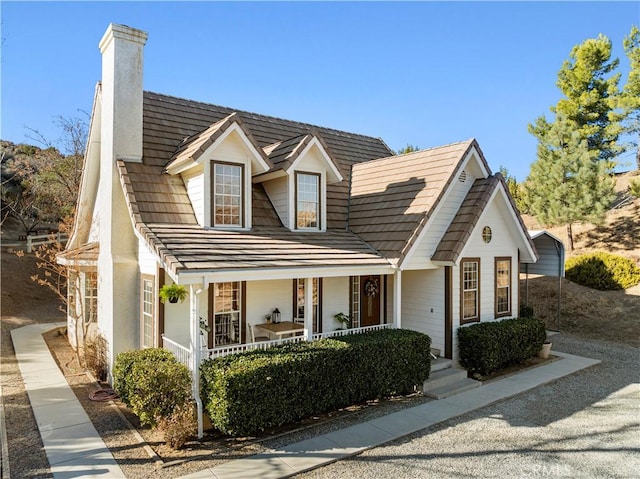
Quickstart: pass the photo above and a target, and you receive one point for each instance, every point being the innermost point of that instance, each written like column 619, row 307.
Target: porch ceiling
column 192, row 249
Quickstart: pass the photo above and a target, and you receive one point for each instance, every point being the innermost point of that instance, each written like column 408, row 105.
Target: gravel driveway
column 583, row 426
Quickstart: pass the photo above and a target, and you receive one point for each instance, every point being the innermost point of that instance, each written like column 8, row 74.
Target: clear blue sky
column 420, row 73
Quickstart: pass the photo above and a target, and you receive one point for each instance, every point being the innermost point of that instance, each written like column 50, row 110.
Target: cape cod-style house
column 254, row 214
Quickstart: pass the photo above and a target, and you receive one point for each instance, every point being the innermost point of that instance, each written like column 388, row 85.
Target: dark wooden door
column 370, row 292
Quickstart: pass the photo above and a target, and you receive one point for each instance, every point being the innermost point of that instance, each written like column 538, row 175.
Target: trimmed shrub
column 151, row 382
column 250, row 392
column 526, row 311
column 603, row 271
column 123, row 383
column 487, row 347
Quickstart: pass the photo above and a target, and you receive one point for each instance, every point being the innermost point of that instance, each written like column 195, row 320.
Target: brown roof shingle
column 392, row 198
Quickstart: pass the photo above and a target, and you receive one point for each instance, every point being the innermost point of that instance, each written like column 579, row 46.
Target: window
column 147, row 312
column 307, row 201
column 355, row 301
column 227, row 194
column 503, row 287
column 226, row 318
column 298, row 308
column 470, row 290
column 486, row 234
column 90, row 297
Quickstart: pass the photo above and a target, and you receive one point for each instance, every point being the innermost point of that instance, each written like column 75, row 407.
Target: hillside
column 619, row 234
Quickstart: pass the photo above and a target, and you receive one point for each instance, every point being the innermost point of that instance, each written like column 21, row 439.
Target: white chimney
column 120, row 139
column 121, row 49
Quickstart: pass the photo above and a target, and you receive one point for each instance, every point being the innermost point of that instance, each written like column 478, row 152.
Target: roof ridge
column 271, row 117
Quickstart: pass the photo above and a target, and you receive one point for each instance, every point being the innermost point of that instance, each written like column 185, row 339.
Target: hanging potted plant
column 173, row 293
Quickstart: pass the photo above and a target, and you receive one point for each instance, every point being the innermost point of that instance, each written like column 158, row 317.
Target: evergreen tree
column 515, row 189
column 568, row 183
column 591, row 97
column 630, row 100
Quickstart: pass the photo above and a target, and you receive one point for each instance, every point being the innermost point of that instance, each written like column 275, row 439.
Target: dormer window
column 307, row 201
column 228, row 205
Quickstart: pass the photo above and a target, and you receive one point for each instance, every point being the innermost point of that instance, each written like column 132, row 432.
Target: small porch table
column 281, row 329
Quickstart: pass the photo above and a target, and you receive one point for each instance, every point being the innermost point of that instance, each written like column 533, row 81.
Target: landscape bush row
column 487, row 347
column 250, row 392
column 603, row 271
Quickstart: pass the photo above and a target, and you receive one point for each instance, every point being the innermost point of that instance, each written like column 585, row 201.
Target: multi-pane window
column 470, row 288
column 227, row 194
column 307, row 201
column 355, row 301
column 503, row 286
column 226, row 318
column 90, row 297
column 299, row 301
column 147, row 313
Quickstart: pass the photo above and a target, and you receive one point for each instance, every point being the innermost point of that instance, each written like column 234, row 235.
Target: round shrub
column 603, row 271
column 123, row 382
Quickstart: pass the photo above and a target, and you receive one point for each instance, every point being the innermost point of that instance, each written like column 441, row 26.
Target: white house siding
column 278, row 193
column 264, row 296
column 423, row 303
column 177, row 316
column 194, row 181
column 503, row 244
column 335, row 299
column 439, row 223
column 146, row 260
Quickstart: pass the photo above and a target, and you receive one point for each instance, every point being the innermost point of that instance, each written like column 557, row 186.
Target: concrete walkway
column 73, row 446
column 75, row 449
column 331, row 447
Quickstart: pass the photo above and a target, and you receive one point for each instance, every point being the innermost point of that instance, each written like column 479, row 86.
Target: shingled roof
column 177, row 130
column 392, row 198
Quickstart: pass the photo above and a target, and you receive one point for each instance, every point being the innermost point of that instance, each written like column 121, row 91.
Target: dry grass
column 606, row 315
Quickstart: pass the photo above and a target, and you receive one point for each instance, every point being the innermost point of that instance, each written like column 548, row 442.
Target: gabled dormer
column 297, row 183
column 216, row 166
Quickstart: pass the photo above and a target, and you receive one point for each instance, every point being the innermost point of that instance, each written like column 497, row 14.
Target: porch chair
column 254, row 338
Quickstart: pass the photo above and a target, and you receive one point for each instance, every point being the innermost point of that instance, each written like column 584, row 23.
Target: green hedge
column 603, row 271
column 250, row 392
column 487, row 347
column 152, row 383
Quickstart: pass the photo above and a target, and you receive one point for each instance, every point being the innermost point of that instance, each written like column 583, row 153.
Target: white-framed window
column 227, row 313
column 227, row 182
column 469, row 290
column 299, row 294
column 148, row 303
column 503, row 287
column 355, row 301
column 307, row 201
column 90, row 297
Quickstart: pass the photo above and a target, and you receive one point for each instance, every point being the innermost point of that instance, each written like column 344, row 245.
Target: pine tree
column 630, row 100
column 591, row 97
column 568, row 183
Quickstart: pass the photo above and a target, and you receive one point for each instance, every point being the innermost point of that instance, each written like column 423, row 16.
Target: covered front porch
column 229, row 317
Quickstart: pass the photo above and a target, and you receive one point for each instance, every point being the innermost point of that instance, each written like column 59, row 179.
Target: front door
column 370, row 292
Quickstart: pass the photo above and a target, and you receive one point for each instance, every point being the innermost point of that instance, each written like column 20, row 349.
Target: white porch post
column 397, row 299
column 308, row 308
column 195, row 349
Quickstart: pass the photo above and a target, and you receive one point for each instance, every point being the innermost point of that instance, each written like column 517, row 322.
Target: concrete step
column 444, row 377
column 440, row 364
column 448, row 390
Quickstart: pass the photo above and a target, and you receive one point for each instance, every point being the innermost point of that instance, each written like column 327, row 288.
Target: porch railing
column 239, row 348
column 182, row 354
column 346, row 332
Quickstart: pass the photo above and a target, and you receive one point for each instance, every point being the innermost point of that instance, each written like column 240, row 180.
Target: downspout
column 195, row 355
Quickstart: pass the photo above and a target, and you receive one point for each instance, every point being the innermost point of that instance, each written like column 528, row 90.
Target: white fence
column 182, row 354
column 346, row 332
column 239, row 348
column 37, row 240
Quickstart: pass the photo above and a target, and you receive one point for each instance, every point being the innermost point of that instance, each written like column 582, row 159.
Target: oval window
column 486, row 234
